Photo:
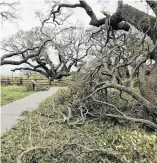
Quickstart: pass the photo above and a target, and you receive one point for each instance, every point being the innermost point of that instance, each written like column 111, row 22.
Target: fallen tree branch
column 109, row 104
column 78, row 122
column 125, row 117
column 128, row 90
column 137, row 120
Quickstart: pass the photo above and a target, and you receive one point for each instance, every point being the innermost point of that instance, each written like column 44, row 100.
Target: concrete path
column 10, row 113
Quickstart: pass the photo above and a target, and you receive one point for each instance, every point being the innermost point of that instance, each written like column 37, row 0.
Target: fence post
column 33, row 84
column 50, row 81
column 8, row 80
column 21, row 82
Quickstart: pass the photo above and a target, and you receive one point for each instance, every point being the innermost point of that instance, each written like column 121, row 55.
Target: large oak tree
column 52, row 54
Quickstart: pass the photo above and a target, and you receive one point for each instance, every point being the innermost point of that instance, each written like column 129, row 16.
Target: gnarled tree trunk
column 148, row 85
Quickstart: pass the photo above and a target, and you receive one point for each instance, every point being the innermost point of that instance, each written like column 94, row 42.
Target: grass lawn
column 12, row 93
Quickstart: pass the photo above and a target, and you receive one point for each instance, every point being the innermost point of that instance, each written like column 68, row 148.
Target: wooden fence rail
column 43, row 82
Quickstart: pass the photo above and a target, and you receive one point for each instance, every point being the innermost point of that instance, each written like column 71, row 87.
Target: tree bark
column 139, row 19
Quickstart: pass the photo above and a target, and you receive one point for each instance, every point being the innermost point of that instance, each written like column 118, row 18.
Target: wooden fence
column 39, row 81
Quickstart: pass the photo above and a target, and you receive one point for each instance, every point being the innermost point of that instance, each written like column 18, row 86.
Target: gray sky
column 29, row 20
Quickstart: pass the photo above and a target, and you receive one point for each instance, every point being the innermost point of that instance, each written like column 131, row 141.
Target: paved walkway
column 10, row 113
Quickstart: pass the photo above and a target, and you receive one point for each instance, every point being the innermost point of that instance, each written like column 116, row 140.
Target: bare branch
column 4, row 62
column 9, row 10
column 136, row 120
column 30, row 69
column 128, row 90
column 153, row 5
column 94, row 21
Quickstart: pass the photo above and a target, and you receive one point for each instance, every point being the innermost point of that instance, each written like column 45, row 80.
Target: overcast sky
column 28, row 19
